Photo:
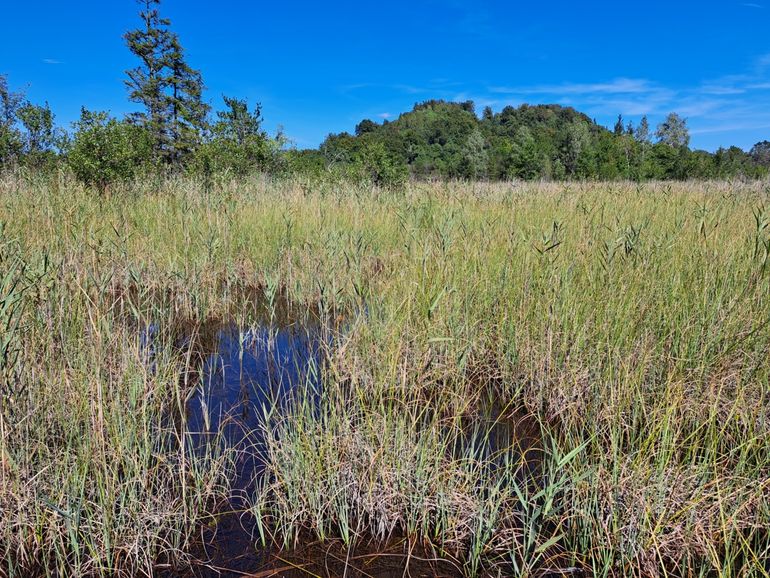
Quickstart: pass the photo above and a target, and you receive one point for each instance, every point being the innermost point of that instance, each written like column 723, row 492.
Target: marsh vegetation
column 511, row 379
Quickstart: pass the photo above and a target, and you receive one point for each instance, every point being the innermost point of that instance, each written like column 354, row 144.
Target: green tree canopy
column 166, row 86
column 105, row 150
column 237, row 142
column 10, row 136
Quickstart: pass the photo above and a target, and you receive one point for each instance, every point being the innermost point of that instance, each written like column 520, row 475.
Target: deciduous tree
column 673, row 131
column 10, row 136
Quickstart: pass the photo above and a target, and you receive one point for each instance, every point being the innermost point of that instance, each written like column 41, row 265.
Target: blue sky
column 321, row 67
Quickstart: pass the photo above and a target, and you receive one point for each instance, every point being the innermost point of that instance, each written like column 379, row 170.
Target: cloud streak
column 616, row 86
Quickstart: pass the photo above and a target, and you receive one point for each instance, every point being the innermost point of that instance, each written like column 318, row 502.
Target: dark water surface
column 251, row 372
column 244, row 372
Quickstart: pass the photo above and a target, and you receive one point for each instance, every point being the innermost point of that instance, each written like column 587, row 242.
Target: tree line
column 449, row 140
column 176, row 131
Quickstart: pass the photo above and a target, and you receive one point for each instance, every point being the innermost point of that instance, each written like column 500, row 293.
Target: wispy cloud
column 352, row 89
column 52, row 61
column 616, row 86
column 695, row 107
column 384, row 115
column 409, row 89
column 763, row 62
column 728, row 127
column 629, row 96
column 721, row 90
column 440, row 86
column 751, row 5
column 349, row 88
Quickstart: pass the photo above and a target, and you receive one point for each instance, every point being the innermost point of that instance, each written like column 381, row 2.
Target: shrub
column 224, row 155
column 237, row 143
column 381, row 167
column 105, row 150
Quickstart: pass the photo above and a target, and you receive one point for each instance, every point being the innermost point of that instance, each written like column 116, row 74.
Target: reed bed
column 627, row 325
